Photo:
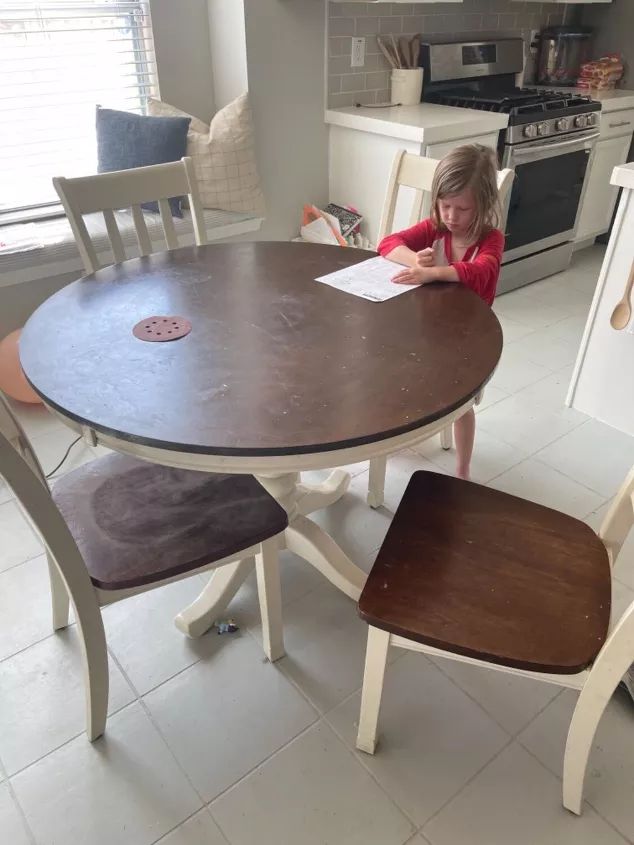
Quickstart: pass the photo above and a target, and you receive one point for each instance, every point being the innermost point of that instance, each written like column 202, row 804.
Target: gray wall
column 436, row 21
column 183, row 55
column 614, row 26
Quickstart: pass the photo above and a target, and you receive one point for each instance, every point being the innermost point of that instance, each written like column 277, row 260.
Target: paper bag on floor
column 320, row 228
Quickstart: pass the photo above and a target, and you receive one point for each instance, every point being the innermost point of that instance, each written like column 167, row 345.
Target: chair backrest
column 122, row 189
column 21, row 470
column 619, row 519
column 417, row 172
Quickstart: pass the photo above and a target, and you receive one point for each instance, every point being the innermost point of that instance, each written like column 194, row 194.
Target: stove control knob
column 581, row 121
column 592, row 119
column 530, row 131
column 543, row 128
column 562, row 124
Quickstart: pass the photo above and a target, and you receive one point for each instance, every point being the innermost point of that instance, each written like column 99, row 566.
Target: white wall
column 285, row 58
column 227, row 38
column 183, row 55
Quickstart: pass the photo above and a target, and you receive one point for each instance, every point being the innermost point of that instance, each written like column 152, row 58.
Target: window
column 58, row 60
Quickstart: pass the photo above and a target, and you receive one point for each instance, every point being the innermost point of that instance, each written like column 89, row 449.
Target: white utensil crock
column 407, row 86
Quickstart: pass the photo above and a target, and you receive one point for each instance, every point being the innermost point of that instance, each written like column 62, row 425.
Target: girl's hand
column 413, row 276
column 425, row 258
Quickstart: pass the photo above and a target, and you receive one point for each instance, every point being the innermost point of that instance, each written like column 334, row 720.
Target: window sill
column 57, row 254
column 30, row 215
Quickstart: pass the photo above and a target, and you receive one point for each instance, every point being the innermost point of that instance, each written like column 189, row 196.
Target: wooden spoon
column 387, row 52
column 415, row 47
column 405, row 50
column 622, row 313
column 397, row 53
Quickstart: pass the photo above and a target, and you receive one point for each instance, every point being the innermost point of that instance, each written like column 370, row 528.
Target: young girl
column 459, row 243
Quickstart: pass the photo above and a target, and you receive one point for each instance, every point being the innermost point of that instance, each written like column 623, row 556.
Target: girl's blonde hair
column 472, row 167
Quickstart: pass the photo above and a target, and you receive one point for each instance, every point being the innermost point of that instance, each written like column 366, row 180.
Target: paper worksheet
column 371, row 279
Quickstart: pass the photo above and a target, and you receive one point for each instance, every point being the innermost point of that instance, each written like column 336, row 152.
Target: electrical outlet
column 534, row 42
column 358, row 52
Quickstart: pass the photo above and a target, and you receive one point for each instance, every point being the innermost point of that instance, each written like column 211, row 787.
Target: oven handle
column 543, row 150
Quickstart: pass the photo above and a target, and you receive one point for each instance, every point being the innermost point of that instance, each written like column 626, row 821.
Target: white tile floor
column 207, row 744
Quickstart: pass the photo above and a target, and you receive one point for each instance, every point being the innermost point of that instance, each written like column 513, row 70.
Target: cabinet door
column 440, row 150
column 600, row 196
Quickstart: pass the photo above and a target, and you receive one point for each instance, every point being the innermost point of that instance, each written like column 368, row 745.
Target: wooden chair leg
column 60, row 602
column 376, row 482
column 373, row 676
column 610, row 666
column 96, row 677
column 267, row 569
column 446, row 438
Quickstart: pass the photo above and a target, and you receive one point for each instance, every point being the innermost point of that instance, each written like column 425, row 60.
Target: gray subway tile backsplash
column 435, row 21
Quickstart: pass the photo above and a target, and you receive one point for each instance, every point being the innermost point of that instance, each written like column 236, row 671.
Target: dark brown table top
column 275, row 364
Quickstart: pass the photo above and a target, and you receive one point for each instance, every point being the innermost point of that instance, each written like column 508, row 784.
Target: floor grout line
column 21, row 813
column 354, row 754
column 41, row 553
column 585, row 800
column 470, row 780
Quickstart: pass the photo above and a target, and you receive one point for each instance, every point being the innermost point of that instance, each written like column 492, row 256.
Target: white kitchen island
column 603, row 377
column 363, row 142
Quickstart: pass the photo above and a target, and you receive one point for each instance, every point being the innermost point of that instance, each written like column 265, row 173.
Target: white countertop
column 623, row 176
column 425, row 122
column 619, row 98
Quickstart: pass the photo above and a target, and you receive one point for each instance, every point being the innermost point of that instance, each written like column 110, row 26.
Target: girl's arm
column 481, row 274
column 402, row 247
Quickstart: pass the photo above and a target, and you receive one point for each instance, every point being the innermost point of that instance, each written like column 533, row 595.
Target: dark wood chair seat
column 477, row 572
column 136, row 523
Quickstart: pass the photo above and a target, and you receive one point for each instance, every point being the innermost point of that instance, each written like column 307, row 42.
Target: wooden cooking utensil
column 405, row 51
column 387, row 52
column 397, row 53
column 415, row 47
column 622, row 313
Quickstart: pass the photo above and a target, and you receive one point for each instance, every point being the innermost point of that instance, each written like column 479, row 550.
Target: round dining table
column 270, row 373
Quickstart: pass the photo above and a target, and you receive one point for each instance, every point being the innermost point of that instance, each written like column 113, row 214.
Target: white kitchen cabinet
column 364, row 141
column 562, row 2
column 600, row 197
column 440, row 150
column 617, row 128
column 392, row 2
column 601, row 381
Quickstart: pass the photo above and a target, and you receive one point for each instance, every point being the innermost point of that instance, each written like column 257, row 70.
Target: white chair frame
column 596, row 684
column 417, row 172
column 120, row 189
column 70, row 580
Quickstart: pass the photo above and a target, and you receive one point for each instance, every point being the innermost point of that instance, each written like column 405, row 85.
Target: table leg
column 307, row 539
column 222, row 586
column 313, row 497
column 303, row 537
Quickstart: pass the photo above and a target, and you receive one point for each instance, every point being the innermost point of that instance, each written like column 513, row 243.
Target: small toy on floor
column 227, row 627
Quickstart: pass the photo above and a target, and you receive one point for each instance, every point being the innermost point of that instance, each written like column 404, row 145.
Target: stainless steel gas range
column 548, row 142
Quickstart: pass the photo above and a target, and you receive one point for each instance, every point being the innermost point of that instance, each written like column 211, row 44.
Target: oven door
column 550, row 177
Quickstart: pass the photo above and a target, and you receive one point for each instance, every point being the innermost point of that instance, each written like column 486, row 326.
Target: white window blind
column 58, row 60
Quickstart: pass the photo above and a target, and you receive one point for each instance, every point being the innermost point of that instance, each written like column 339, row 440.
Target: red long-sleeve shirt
column 480, row 266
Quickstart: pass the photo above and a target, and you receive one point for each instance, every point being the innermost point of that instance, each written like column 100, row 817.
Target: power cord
column 66, row 454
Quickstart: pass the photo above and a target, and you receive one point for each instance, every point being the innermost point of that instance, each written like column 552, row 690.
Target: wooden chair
column 417, row 173
column 117, row 527
column 121, row 189
column 476, row 575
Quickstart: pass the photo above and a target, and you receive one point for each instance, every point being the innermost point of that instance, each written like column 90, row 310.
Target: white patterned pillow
column 224, row 156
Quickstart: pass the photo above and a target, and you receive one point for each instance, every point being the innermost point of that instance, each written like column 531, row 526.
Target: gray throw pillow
column 126, row 140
